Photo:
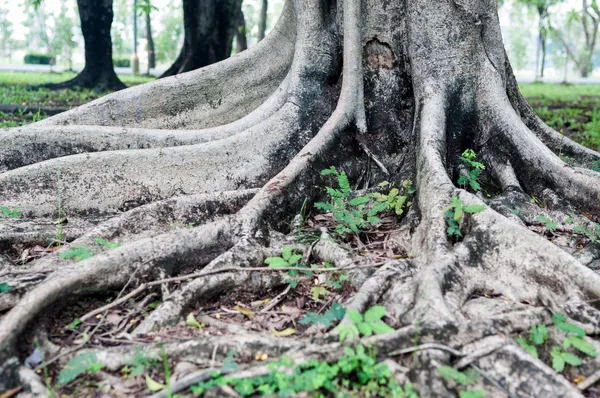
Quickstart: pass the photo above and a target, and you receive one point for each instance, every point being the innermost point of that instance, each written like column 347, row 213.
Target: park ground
column 573, row 110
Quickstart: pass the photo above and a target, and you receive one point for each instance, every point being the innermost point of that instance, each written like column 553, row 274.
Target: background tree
column 7, row 42
column 63, row 39
column 262, row 22
column 542, row 7
column 169, row 38
column 241, row 40
column 209, row 29
column 387, row 90
column 145, row 8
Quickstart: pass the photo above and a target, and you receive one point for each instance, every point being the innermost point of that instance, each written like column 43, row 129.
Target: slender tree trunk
column 543, row 58
column 209, row 29
column 241, row 41
column 99, row 73
column 262, row 23
column 150, row 41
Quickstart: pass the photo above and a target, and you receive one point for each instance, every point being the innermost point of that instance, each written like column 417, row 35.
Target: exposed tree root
column 453, row 300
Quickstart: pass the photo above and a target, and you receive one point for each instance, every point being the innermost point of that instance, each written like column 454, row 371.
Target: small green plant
column 356, row 373
column 4, row 287
column 474, row 169
column 596, row 166
column 550, row 224
column 75, row 324
column 82, row 363
column 107, row 244
column 140, row 363
column 365, row 325
column 10, row 213
column 455, row 212
column 335, row 313
column 77, row 253
column 191, row 321
column 591, row 234
column 229, row 361
column 351, row 215
column 463, row 380
column 560, row 357
column 288, row 259
column 396, row 199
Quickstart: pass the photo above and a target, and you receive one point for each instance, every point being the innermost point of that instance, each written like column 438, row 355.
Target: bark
column 99, row 74
column 241, row 41
column 209, row 29
column 390, row 91
column 262, row 22
column 150, row 41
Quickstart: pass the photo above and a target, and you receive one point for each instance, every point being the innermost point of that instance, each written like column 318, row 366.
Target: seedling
column 335, row 313
column 77, row 253
column 455, row 212
column 82, row 363
column 551, row 225
column 463, row 380
column 474, row 169
column 288, row 259
column 365, row 325
column 10, row 213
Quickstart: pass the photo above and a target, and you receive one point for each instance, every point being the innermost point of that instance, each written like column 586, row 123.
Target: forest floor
column 304, row 304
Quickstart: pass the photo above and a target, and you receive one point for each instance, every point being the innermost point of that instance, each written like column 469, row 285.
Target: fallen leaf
column 284, row 333
column 11, row 393
column 154, row 386
column 261, row 356
column 193, row 322
column 249, row 313
column 579, row 379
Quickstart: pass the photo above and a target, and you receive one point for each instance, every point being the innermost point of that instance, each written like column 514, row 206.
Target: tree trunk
column 150, row 41
column 209, row 29
column 262, row 22
column 543, row 63
column 99, row 73
column 241, row 41
column 418, row 94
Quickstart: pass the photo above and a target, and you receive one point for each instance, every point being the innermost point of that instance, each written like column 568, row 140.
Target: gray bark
column 411, row 84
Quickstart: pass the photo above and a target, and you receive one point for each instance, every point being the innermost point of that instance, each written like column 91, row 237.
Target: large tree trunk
column 241, row 40
column 394, row 91
column 209, row 29
column 96, row 19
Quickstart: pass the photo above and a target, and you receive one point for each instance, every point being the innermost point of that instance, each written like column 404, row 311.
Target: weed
column 365, row 325
column 10, row 213
column 474, row 169
column 107, row 244
column 77, row 253
column 82, row 363
column 191, row 321
column 140, row 363
column 463, row 380
column 396, row 199
column 351, row 215
column 356, row 373
column 560, row 356
column 335, row 313
column 455, row 212
column 288, row 259
column 550, row 224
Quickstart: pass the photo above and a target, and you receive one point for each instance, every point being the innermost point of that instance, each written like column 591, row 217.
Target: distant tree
column 241, row 40
column 121, row 29
column 168, row 39
column 145, row 8
column 6, row 31
column 209, row 29
column 63, row 40
column 518, row 43
column 542, row 7
column 262, row 23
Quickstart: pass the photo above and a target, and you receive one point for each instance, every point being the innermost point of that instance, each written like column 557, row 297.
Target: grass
column 573, row 110
column 14, row 91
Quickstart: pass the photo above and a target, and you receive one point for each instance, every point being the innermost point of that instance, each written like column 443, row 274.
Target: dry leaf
column 249, row 313
column 284, row 333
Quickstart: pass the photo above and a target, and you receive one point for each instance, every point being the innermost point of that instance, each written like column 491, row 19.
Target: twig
column 276, row 300
column 145, row 286
column 589, row 381
column 373, row 157
column 428, row 346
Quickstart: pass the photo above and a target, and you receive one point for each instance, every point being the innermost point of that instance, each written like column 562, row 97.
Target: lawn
column 573, row 110
column 15, row 91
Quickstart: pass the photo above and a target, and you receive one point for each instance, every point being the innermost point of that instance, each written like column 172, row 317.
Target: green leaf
column 381, row 327
column 360, row 200
column 570, row 328
column 82, row 363
column 293, row 260
column 581, row 345
column 375, row 313
column 538, row 334
column 399, row 208
column 373, row 220
column 344, row 183
column 276, row 262
column 286, row 253
column 558, row 318
column 107, row 244
column 571, row 359
column 77, row 253
column 474, row 209
column 477, row 393
column 4, row 287
column 451, row 374
column 365, row 329
column 527, row 347
column 330, row 171
column 354, row 316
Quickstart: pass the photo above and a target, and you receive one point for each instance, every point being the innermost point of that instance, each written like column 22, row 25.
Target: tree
column 168, row 39
column 542, row 8
column 96, row 18
column 63, row 39
column 7, row 42
column 391, row 91
column 209, row 29
column 262, row 23
column 145, row 9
